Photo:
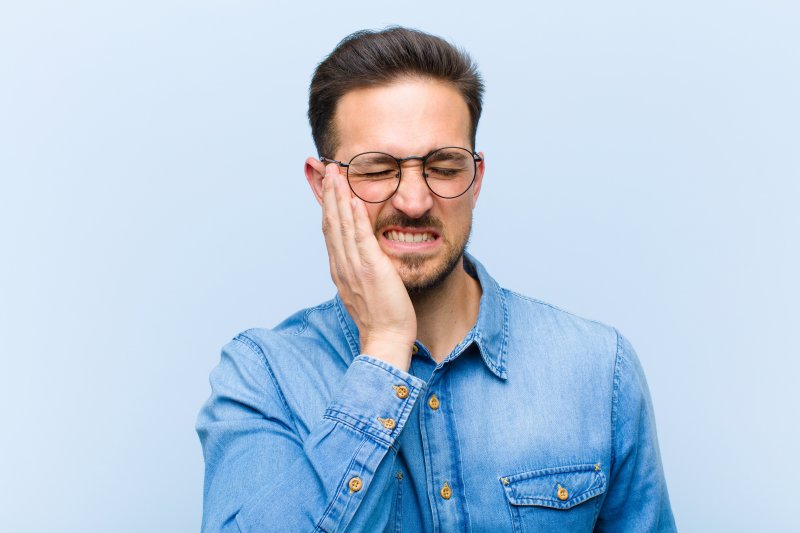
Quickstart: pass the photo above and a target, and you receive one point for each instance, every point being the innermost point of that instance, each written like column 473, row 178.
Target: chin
column 422, row 274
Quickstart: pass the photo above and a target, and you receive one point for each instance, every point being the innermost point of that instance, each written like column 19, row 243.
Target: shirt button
column 414, row 349
column 388, row 423
column 446, row 492
column 355, row 484
column 563, row 493
column 401, row 391
column 433, row 402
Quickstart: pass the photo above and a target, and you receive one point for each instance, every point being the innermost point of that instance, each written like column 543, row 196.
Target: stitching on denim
column 615, row 401
column 364, row 428
column 453, row 420
column 256, row 349
column 408, row 405
column 426, row 459
column 566, row 469
column 512, row 509
column 340, row 487
column 307, row 314
column 461, row 347
column 598, row 502
column 393, row 371
column 498, row 369
column 599, row 485
column 250, row 343
column 504, row 345
column 405, row 409
column 554, row 504
column 346, row 328
column 362, row 433
column 398, row 507
column 556, row 308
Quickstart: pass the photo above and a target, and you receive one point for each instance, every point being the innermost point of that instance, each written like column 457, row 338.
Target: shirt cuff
column 376, row 398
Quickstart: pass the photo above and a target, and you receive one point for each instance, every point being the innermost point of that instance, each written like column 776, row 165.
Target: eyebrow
column 375, row 157
column 447, row 156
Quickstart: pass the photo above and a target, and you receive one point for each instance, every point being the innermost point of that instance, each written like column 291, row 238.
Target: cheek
column 373, row 210
column 461, row 215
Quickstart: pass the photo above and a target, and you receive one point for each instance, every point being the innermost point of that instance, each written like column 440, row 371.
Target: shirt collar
column 491, row 329
column 490, row 332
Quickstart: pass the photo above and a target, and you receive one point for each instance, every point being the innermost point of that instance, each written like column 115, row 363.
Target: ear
column 315, row 171
column 476, row 185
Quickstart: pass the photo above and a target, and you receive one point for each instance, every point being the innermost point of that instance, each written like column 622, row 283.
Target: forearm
column 261, row 476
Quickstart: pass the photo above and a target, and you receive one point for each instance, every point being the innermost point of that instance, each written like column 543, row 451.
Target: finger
column 331, row 225
column 365, row 239
column 347, row 224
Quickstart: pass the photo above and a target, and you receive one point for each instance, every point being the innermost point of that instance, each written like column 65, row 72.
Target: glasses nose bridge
column 402, row 162
column 413, row 187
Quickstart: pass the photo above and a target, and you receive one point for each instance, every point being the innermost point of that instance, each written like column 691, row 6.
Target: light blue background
column 643, row 170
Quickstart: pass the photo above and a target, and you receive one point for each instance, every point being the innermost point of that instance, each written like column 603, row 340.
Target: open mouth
column 410, row 238
column 404, row 236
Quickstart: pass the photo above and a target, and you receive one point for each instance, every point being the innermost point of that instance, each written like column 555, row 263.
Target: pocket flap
column 558, row 488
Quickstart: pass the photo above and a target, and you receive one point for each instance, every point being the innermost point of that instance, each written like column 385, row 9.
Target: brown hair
column 373, row 58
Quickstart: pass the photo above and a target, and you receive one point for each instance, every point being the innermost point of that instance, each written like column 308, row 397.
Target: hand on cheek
column 367, row 281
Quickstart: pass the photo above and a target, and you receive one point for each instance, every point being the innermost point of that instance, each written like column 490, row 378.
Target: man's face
column 424, row 235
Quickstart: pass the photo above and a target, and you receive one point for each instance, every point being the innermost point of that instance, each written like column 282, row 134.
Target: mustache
column 398, row 219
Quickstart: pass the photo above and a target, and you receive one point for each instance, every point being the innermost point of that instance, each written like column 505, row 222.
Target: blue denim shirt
column 537, row 421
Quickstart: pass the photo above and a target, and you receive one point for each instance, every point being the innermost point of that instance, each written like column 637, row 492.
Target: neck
column 446, row 313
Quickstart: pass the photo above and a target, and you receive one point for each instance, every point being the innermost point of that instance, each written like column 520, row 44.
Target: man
column 423, row 397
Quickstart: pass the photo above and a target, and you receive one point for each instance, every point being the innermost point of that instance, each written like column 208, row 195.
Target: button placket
column 441, row 451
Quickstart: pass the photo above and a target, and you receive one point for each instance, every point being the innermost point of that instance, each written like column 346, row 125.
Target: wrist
column 395, row 352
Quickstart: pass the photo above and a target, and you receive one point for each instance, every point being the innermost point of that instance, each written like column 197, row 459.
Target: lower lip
column 402, row 246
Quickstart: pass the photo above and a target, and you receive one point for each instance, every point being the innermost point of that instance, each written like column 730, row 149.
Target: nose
column 413, row 197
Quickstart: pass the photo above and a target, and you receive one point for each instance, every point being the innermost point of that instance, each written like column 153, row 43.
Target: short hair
column 370, row 58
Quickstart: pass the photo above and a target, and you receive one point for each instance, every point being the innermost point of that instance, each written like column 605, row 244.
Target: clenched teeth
column 408, row 237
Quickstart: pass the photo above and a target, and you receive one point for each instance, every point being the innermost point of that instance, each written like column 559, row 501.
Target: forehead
column 406, row 117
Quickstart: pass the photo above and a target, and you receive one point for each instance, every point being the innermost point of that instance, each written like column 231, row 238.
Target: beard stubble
column 415, row 281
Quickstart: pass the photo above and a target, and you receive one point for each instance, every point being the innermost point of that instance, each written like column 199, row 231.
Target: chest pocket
column 555, row 499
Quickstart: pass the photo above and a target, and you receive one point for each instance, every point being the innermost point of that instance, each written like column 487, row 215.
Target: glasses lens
column 373, row 177
column 450, row 171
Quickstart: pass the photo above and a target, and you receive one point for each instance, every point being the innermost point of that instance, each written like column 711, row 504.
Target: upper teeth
column 408, row 237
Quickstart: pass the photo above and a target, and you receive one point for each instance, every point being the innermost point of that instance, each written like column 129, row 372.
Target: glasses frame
column 424, row 158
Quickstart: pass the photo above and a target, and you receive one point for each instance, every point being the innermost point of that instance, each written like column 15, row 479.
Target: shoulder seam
column 615, row 399
column 308, row 312
column 559, row 309
column 256, row 349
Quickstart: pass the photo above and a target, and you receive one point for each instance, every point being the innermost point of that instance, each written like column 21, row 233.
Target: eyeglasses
column 375, row 176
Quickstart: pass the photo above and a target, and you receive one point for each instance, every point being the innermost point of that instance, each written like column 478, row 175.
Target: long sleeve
column 637, row 498
column 261, row 476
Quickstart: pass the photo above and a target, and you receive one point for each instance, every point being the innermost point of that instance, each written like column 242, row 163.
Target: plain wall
column 642, row 170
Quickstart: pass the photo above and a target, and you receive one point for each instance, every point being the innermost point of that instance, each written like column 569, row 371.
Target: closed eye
column 374, row 176
column 381, row 174
column 445, row 172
